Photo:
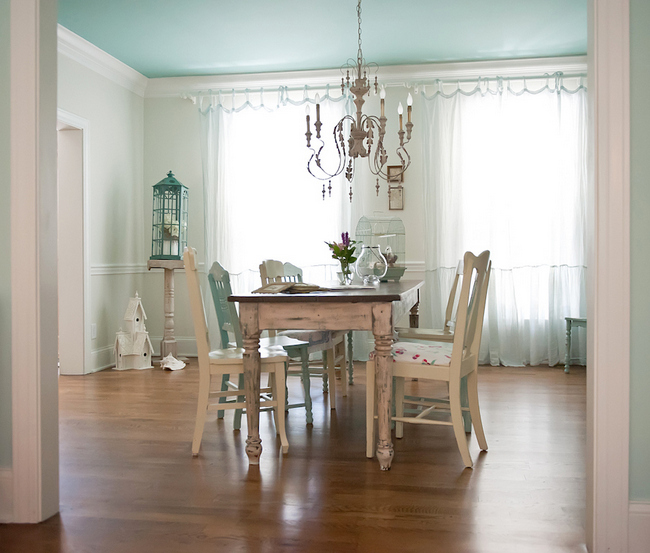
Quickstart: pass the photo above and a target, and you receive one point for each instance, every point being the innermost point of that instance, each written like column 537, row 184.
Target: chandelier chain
column 359, row 53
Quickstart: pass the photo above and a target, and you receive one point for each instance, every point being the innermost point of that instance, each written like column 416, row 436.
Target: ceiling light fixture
column 362, row 129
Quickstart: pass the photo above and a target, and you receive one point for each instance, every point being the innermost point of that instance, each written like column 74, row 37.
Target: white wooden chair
column 449, row 362
column 445, row 334
column 229, row 361
column 330, row 343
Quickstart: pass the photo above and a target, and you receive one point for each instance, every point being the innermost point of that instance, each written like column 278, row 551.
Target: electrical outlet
column 93, row 331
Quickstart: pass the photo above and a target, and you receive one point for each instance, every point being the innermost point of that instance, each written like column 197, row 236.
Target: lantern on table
column 169, row 221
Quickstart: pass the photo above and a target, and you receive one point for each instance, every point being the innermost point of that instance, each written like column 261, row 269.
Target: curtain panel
column 506, row 170
column 259, row 200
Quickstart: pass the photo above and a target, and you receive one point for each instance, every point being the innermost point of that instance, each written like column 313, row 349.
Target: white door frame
column 34, row 317
column 608, row 309
column 83, row 125
column 609, row 271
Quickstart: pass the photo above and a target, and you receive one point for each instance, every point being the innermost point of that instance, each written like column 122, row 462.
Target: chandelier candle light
column 361, row 141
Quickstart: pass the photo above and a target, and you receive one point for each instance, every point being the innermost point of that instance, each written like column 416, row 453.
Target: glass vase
column 371, row 265
column 345, row 275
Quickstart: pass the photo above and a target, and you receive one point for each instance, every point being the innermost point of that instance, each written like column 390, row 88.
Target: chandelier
column 365, row 133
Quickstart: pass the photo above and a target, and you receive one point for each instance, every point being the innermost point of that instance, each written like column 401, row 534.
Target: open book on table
column 289, row 288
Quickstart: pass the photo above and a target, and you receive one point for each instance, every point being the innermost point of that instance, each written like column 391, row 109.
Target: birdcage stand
column 168, row 343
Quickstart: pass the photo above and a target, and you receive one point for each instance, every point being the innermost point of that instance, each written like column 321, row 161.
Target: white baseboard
column 185, row 345
column 6, row 495
column 102, row 358
column 639, row 527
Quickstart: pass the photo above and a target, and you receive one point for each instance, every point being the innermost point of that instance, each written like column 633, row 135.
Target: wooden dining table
column 376, row 309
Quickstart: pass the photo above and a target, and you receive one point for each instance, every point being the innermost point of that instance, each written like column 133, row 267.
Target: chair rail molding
column 608, row 285
column 80, row 50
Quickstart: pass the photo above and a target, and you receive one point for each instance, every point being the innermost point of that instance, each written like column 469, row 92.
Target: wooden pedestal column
column 168, row 343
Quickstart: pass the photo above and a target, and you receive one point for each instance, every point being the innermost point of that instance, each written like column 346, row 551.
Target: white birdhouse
column 133, row 349
column 135, row 316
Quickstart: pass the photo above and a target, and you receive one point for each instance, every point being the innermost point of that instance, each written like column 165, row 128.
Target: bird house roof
column 132, row 308
column 132, row 346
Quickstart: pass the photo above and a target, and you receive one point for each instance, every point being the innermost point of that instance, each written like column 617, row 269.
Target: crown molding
column 397, row 75
column 80, row 50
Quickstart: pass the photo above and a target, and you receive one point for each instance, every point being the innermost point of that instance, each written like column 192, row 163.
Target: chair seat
column 314, row 337
column 226, row 356
column 435, row 334
column 281, row 341
column 421, row 354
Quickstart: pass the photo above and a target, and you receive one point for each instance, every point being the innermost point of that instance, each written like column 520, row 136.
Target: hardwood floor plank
column 130, row 484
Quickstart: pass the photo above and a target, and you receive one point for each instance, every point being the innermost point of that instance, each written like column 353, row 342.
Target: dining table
column 375, row 308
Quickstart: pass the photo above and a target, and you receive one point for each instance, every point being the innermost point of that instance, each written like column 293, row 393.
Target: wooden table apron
column 375, row 310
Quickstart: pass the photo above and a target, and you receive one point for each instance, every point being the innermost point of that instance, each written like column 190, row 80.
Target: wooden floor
column 130, row 484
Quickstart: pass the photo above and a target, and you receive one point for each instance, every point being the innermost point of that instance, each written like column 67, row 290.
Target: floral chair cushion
column 422, row 354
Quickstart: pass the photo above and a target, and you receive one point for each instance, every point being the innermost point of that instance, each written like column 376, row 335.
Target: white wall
column 364, row 188
column 171, row 143
column 117, row 228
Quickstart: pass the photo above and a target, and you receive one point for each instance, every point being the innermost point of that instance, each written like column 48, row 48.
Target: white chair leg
column 344, row 379
column 329, row 363
column 457, row 421
column 472, row 392
column 278, row 382
column 370, row 408
column 201, row 411
column 399, row 406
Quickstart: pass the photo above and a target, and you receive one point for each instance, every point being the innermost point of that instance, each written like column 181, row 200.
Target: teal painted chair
column 228, row 319
column 330, row 343
column 222, row 363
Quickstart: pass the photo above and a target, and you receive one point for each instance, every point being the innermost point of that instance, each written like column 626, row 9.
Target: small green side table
column 570, row 323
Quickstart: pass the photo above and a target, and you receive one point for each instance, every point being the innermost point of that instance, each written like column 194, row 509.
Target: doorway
column 75, row 332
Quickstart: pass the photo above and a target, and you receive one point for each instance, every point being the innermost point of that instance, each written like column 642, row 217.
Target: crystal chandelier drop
column 366, row 132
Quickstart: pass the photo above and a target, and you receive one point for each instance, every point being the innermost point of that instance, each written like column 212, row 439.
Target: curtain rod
column 406, row 84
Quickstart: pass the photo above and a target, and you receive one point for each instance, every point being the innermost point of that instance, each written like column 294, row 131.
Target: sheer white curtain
column 506, row 171
column 259, row 200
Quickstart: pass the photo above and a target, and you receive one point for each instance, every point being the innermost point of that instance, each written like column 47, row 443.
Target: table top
column 576, row 320
column 384, row 292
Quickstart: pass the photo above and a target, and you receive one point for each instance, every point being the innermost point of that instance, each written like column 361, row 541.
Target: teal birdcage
column 169, row 221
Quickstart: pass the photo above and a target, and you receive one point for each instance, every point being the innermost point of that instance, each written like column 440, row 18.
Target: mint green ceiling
column 169, row 38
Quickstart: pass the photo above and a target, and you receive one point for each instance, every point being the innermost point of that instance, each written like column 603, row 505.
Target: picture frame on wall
column 394, row 173
column 395, row 198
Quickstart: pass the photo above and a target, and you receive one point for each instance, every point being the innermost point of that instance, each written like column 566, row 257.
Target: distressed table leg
column 252, row 370
column 382, row 330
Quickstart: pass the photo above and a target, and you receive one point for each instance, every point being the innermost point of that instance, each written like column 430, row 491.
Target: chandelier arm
column 340, row 148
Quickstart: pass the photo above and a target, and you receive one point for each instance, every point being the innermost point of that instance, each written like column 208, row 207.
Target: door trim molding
column 35, row 417
column 84, row 126
column 608, row 309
